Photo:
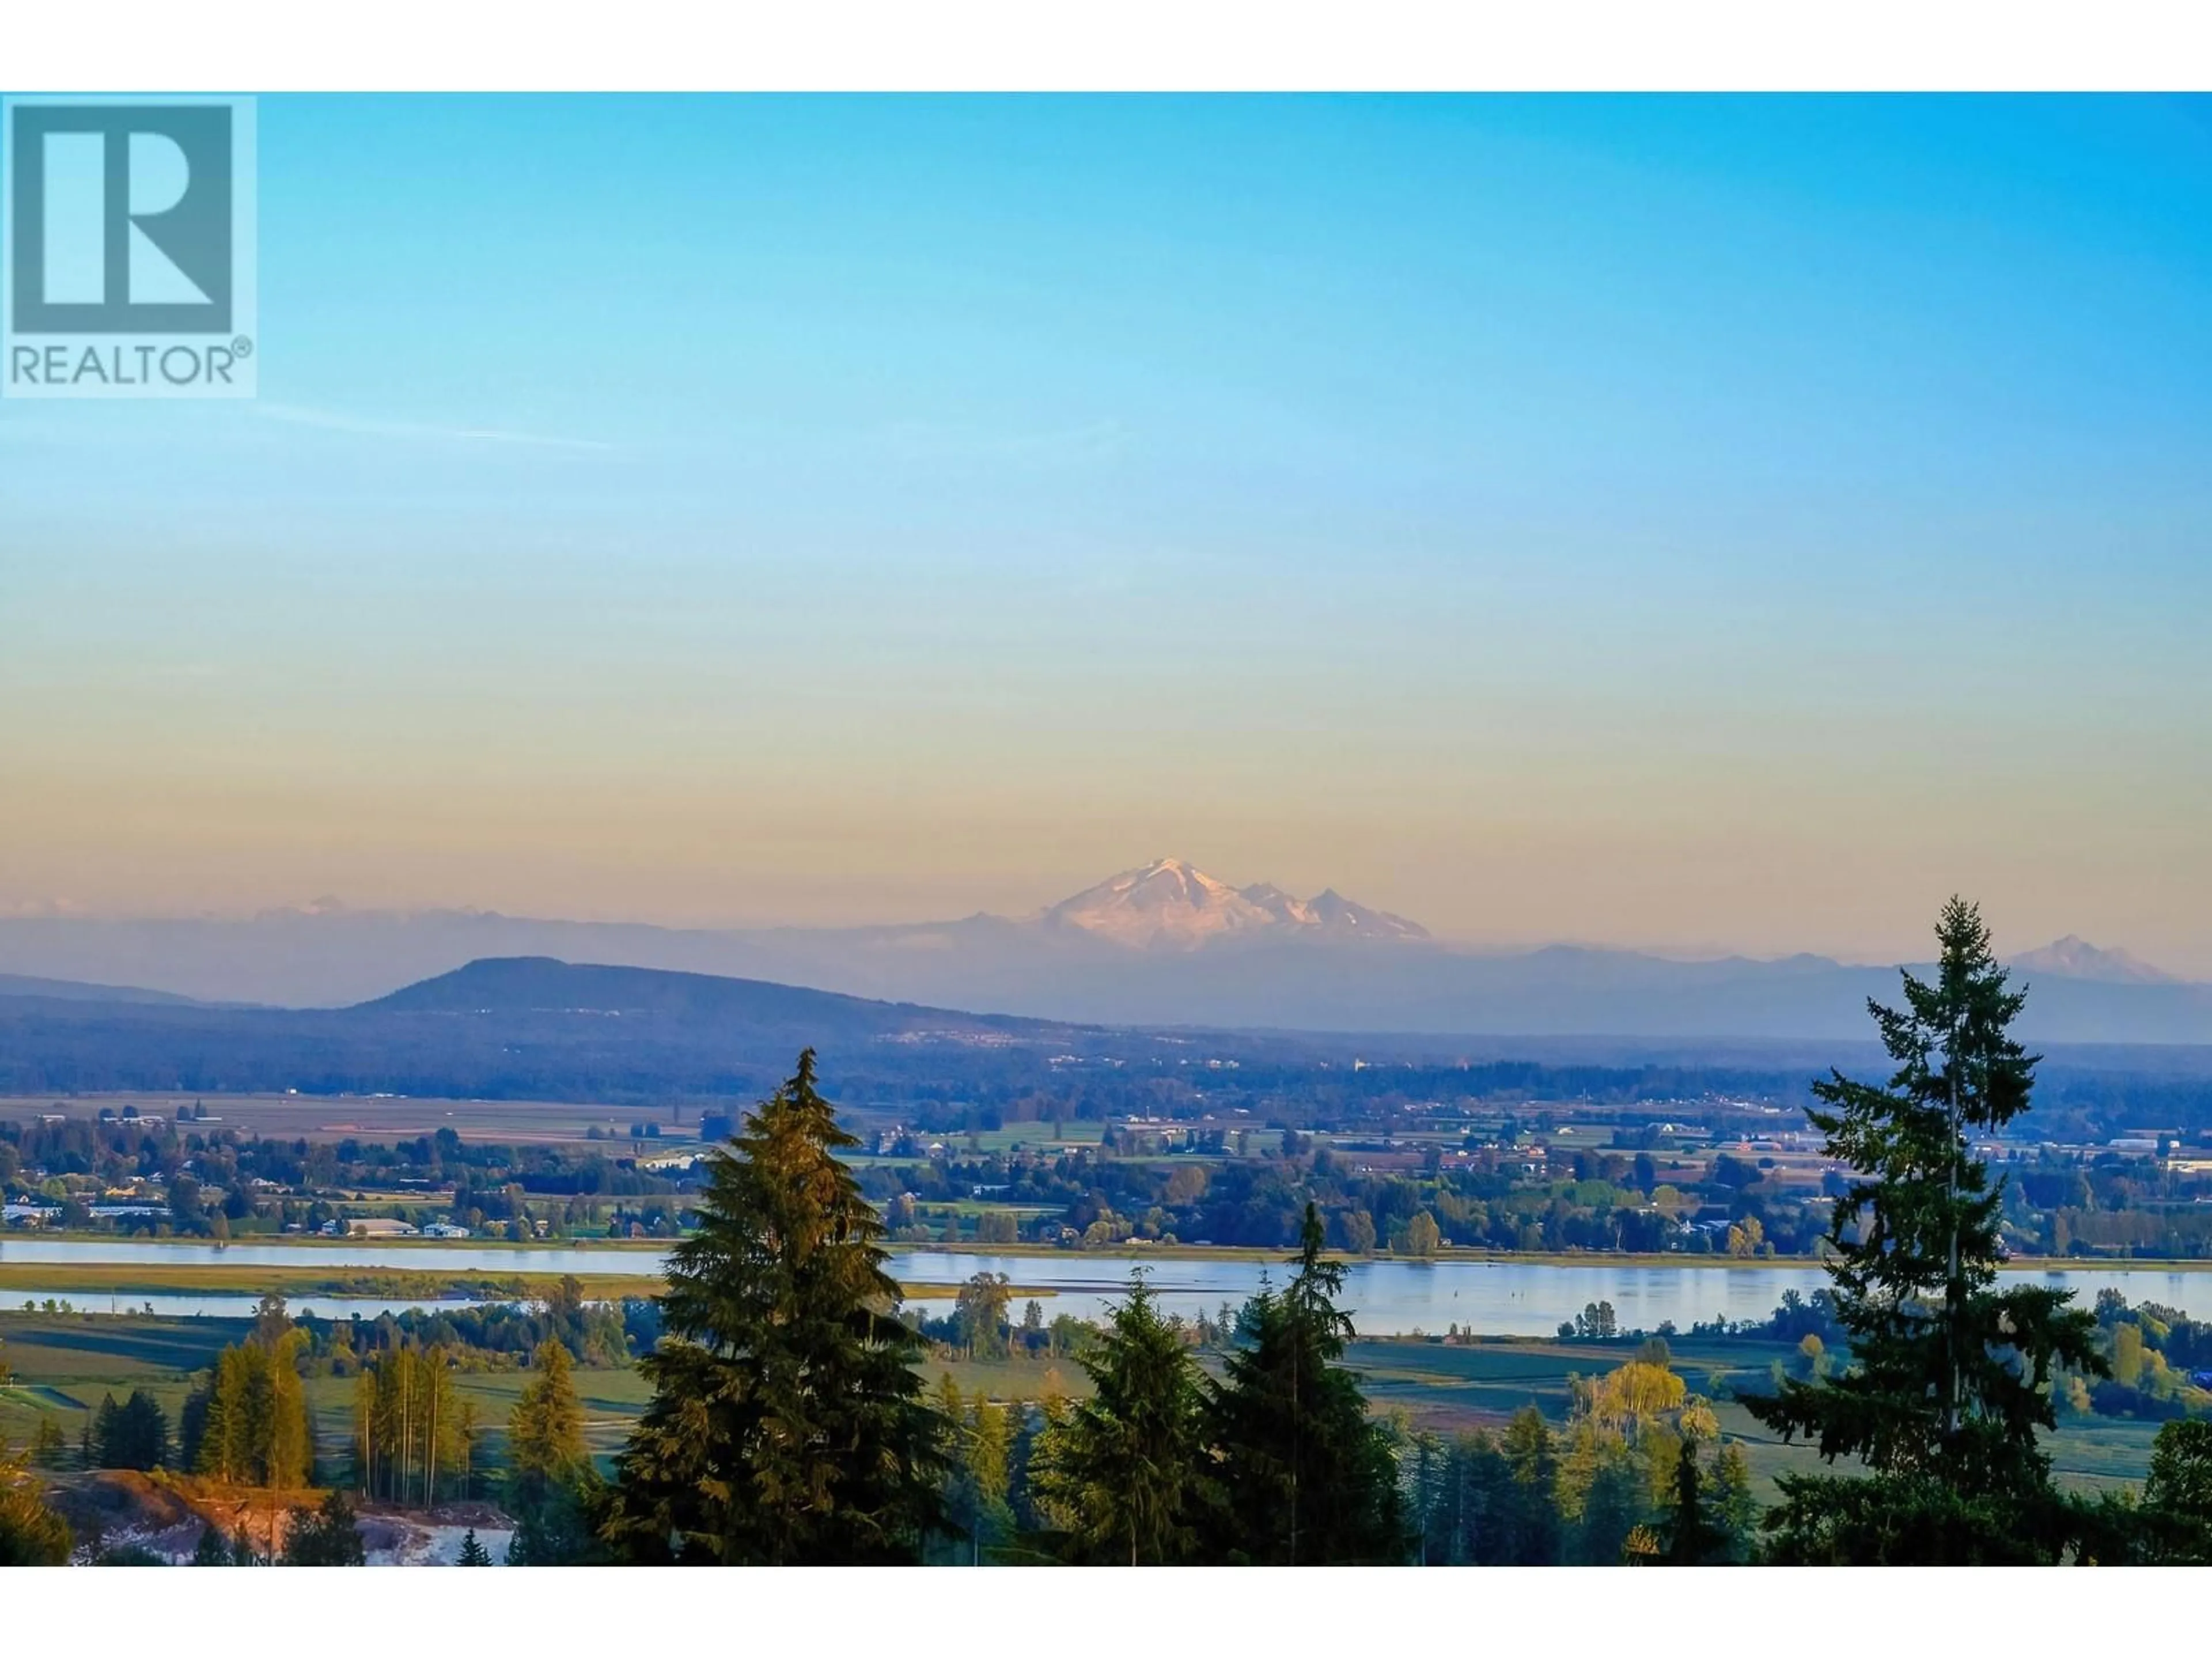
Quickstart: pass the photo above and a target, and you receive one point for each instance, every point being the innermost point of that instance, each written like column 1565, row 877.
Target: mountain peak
column 1170, row 904
column 2074, row 958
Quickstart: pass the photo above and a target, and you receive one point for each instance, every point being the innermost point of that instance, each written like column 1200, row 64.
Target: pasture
column 386, row 1118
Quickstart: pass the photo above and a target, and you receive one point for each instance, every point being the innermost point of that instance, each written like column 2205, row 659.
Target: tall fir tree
column 1306, row 1475
column 1531, row 1533
column 1692, row 1538
column 787, row 1425
column 550, row 1484
column 1122, row 1469
column 1950, row 1378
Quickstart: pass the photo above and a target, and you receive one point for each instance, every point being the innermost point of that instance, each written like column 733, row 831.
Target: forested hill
column 535, row 1028
column 520, row 1028
column 542, row 986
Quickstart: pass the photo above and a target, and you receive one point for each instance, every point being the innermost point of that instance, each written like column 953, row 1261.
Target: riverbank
column 155, row 1278
column 321, row 1242
column 1132, row 1253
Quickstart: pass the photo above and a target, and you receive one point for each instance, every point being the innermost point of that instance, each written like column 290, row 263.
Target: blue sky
column 1663, row 520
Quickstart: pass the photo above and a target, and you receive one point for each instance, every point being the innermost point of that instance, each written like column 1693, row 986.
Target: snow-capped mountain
column 1170, row 905
column 2074, row 958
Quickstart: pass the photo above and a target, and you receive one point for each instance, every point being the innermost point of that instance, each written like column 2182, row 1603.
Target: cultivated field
column 62, row 1365
column 384, row 1118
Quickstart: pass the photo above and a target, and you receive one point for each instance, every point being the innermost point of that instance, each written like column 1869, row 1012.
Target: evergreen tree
column 787, row 1425
column 988, row 1467
column 2173, row 1527
column 550, row 1483
column 977, row 1477
column 545, row 1433
column 105, row 1421
column 1530, row 1503
column 1735, row 1510
column 1612, row 1506
column 473, row 1554
column 211, row 1551
column 1122, row 1469
column 1424, row 1475
column 1950, row 1378
column 1692, row 1538
column 1306, row 1475
column 323, row 1537
column 1481, row 1502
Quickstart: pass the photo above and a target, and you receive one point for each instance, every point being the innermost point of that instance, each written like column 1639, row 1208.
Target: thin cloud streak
column 330, row 419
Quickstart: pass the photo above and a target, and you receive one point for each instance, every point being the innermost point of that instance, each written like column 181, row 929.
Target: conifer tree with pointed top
column 550, row 1483
column 1123, row 1467
column 1950, row 1378
column 1692, row 1538
column 787, row 1425
column 1306, row 1475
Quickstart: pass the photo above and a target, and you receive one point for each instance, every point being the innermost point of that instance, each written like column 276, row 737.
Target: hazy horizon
column 1689, row 524
column 332, row 904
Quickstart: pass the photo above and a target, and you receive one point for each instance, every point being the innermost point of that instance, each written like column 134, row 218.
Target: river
column 1497, row 1298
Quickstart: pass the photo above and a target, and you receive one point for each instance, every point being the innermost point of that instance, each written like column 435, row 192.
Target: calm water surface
column 1502, row 1298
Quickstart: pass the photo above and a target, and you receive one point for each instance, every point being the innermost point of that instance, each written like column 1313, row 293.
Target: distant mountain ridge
column 528, row 1028
column 547, row 986
column 73, row 990
column 1163, row 945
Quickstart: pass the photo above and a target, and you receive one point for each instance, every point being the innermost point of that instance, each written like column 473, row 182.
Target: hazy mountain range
column 1163, row 945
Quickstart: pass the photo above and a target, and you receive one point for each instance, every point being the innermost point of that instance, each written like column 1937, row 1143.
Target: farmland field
column 62, row 1365
column 382, row 1118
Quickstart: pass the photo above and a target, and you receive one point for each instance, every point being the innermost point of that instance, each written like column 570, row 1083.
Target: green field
column 386, row 1118
column 62, row 1364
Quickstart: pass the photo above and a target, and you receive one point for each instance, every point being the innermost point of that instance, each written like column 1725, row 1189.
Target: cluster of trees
column 132, row 1436
column 412, row 1428
column 1592, row 1201
column 788, row 1425
column 2109, row 1203
column 491, row 1334
column 249, row 1424
column 327, row 1535
column 2158, row 1364
column 1276, row 1464
column 1645, row 1486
